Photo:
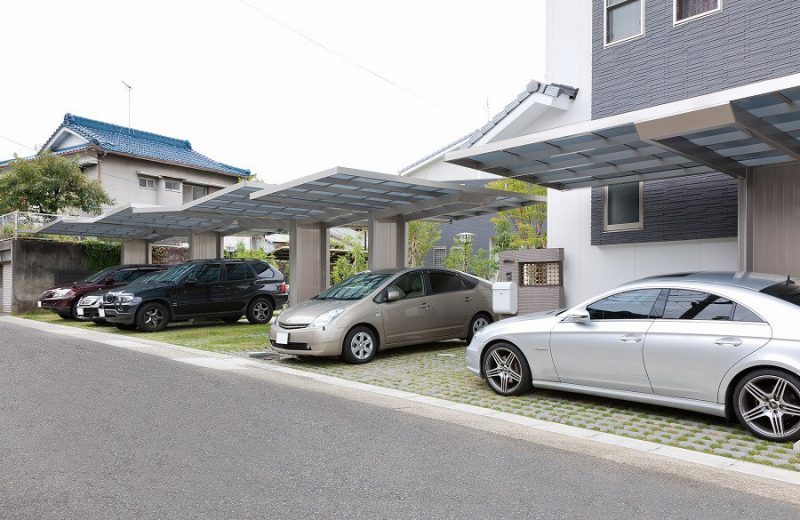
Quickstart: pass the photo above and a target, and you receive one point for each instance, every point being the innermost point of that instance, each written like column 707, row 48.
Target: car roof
column 744, row 279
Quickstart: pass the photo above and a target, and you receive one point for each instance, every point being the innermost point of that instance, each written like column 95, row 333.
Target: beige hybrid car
column 377, row 310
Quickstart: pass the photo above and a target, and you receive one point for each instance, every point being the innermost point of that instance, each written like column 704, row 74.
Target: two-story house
column 680, row 151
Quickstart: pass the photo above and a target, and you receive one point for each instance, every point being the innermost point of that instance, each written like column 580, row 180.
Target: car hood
column 78, row 287
column 533, row 322
column 304, row 313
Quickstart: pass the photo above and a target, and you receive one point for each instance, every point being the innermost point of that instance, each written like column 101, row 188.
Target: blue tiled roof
column 137, row 143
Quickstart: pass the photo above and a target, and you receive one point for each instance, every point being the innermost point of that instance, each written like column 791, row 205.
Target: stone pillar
column 388, row 246
column 309, row 261
column 136, row 251
column 206, row 246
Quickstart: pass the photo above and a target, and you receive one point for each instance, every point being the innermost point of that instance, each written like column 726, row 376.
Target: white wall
column 589, row 269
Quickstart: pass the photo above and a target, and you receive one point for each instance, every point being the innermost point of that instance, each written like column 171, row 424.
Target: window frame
column 735, row 303
column 630, row 226
column 179, row 188
column 606, row 7
column 147, row 180
column 676, row 22
column 653, row 315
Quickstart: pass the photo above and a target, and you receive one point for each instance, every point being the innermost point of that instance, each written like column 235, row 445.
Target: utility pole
column 129, row 102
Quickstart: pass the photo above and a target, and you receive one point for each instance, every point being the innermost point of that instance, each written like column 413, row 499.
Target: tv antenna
column 129, row 101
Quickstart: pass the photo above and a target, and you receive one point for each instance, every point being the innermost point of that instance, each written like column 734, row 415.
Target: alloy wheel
column 479, row 323
column 503, row 370
column 153, row 317
column 260, row 311
column 361, row 345
column 770, row 405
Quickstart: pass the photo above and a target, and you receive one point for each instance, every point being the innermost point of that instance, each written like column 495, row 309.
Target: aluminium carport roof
column 340, row 196
column 729, row 131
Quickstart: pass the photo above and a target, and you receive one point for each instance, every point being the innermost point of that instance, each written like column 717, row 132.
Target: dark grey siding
column 689, row 208
column 748, row 41
column 481, row 226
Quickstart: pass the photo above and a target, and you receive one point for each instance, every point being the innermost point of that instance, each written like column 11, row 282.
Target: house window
column 685, row 10
column 540, row 274
column 623, row 209
column 172, row 185
column 147, row 182
column 191, row 192
column 439, row 254
column 624, row 20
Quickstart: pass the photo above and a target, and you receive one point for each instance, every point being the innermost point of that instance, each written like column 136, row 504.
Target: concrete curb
column 219, row 361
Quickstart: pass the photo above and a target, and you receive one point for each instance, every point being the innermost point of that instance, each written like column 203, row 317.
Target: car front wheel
column 152, row 317
column 767, row 402
column 506, row 370
column 360, row 346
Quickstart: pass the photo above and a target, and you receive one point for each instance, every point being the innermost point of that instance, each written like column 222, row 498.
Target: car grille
column 292, row 326
column 108, row 298
column 291, row 346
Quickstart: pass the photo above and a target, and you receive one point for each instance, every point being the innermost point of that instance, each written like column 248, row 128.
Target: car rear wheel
column 360, row 346
column 259, row 311
column 767, row 402
column 478, row 322
column 152, row 317
column 506, row 369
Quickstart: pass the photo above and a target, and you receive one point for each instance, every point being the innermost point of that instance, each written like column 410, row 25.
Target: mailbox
column 504, row 298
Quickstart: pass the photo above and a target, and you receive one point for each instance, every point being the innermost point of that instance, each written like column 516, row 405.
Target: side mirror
column 191, row 281
column 393, row 294
column 578, row 317
column 109, row 280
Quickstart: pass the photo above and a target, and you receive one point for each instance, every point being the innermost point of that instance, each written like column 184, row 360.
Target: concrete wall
column 747, row 41
column 532, row 299
column 39, row 264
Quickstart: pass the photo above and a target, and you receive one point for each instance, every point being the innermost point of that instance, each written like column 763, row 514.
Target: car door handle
column 216, row 287
column 631, row 338
column 467, row 299
column 425, row 306
column 728, row 342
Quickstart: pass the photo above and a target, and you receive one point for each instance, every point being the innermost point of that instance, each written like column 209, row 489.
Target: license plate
column 101, row 313
column 39, row 304
column 282, row 338
column 80, row 311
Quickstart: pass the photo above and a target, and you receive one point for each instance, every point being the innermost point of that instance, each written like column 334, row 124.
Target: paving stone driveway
column 439, row 370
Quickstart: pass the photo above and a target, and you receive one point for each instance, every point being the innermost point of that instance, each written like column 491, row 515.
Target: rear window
column 263, row 270
column 445, row 282
column 787, row 291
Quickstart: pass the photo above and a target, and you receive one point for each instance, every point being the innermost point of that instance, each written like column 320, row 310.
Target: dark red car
column 63, row 299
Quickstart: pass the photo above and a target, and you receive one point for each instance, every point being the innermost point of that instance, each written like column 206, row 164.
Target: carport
column 307, row 208
column 751, row 133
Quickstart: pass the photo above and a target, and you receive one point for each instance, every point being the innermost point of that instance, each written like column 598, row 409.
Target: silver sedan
column 726, row 344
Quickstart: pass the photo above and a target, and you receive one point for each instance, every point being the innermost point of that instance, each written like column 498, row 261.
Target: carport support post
column 136, row 251
column 309, row 260
column 388, row 246
column 206, row 246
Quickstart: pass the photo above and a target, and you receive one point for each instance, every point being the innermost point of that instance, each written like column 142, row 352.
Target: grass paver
column 439, row 370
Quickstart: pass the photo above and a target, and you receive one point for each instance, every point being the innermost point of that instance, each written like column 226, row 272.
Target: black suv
column 223, row 289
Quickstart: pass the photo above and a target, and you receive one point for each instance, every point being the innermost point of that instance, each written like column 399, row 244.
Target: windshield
column 173, row 274
column 144, row 279
column 788, row 291
column 101, row 276
column 355, row 287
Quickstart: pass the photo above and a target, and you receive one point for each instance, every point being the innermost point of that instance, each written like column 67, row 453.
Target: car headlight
column 89, row 300
column 326, row 317
column 60, row 293
column 125, row 298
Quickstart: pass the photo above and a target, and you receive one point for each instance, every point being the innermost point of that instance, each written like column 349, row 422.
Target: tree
column 462, row 258
column 49, row 183
column 352, row 262
column 422, row 236
column 250, row 254
column 521, row 228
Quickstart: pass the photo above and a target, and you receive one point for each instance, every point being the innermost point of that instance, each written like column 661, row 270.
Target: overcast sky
column 285, row 89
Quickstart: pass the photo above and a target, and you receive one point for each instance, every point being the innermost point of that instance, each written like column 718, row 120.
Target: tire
column 152, row 317
column 73, row 311
column 65, row 315
column 231, row 319
column 506, row 370
column 259, row 311
column 125, row 326
column 360, row 345
column 478, row 322
column 767, row 403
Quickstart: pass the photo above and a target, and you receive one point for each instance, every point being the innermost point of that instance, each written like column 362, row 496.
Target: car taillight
column 283, row 288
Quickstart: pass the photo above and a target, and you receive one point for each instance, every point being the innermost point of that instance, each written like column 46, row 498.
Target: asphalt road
column 90, row 431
